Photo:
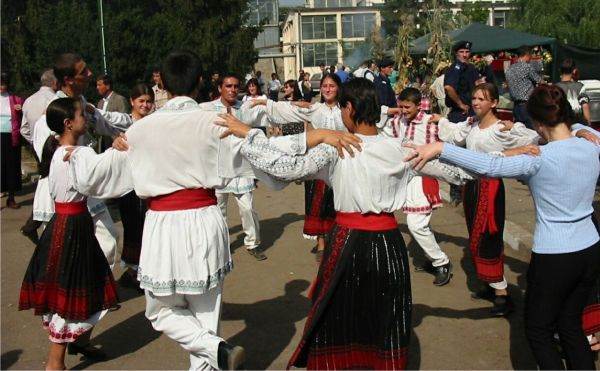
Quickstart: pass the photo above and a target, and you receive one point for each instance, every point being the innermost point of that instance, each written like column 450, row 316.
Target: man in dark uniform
column 459, row 82
column 383, row 86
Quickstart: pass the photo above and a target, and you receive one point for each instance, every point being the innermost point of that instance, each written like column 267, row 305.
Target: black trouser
column 558, row 286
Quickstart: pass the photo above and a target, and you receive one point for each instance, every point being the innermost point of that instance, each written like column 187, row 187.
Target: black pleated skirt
column 68, row 273
column 318, row 207
column 133, row 213
column 10, row 173
column 361, row 312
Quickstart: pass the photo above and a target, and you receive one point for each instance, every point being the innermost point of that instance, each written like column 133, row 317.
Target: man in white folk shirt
column 33, row 108
column 241, row 188
column 185, row 248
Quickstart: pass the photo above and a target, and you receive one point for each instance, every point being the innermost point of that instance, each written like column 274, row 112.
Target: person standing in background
column 522, row 79
column 341, row 72
column 35, row 106
column 111, row 101
column 10, row 121
column 274, row 87
column 160, row 94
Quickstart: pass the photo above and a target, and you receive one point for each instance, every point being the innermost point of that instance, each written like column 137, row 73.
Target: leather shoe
column 87, row 351
column 230, row 357
column 257, row 254
column 486, row 293
column 443, row 273
column 503, row 306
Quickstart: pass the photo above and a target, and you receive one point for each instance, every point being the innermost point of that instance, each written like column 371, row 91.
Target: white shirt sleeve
column 518, row 136
column 454, row 133
column 118, row 120
column 105, row 175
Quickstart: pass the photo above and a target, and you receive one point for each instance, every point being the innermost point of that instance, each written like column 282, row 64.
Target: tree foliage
column 138, row 34
column 475, row 12
column 573, row 22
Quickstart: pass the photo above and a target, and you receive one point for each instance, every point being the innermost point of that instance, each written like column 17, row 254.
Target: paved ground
column 265, row 302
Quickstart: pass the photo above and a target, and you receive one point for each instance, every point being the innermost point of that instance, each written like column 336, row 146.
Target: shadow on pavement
column 10, row 358
column 269, row 324
column 118, row 341
column 270, row 230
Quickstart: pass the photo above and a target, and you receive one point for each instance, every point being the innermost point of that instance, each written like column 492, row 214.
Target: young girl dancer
column 484, row 197
column 360, row 317
column 68, row 281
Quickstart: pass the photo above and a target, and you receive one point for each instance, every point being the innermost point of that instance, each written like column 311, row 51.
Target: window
column 319, row 27
column 263, row 11
column 350, row 47
column 332, row 3
column 357, row 25
column 500, row 19
column 315, row 54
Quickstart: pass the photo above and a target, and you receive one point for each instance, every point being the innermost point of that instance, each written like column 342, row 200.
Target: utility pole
column 102, row 36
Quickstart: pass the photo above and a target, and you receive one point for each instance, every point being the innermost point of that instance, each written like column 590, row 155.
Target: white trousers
column 106, row 234
column 250, row 221
column 190, row 320
column 418, row 225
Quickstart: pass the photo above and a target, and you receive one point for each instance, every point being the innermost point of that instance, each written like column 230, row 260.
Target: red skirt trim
column 591, row 319
column 355, row 356
column 184, row 199
column 488, row 269
column 367, row 222
column 70, row 208
column 314, row 224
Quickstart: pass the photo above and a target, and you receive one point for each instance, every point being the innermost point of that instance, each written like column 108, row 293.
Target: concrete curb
column 514, row 235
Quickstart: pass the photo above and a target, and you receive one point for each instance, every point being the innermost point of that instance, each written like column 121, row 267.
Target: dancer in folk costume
column 484, row 197
column 318, row 196
column 68, row 281
column 73, row 76
column 131, row 208
column 565, row 260
column 241, row 188
column 361, row 312
column 423, row 194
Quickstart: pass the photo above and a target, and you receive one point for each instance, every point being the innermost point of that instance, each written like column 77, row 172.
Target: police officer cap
column 386, row 62
column 462, row 45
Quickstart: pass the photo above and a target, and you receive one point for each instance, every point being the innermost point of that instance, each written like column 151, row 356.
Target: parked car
column 315, row 83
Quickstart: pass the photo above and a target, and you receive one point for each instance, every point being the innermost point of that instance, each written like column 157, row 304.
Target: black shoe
column 258, row 255
column 486, row 293
column 424, row 267
column 87, row 351
column 230, row 357
column 503, row 306
column 443, row 273
column 31, row 234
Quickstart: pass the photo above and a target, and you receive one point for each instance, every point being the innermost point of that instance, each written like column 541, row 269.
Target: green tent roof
column 485, row 39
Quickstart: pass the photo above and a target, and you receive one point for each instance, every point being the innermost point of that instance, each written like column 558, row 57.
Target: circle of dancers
column 360, row 162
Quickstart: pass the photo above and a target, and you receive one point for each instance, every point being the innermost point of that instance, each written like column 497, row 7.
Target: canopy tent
column 485, row 39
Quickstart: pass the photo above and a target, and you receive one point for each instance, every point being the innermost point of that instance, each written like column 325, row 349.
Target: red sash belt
column 184, row 199
column 70, row 208
column 367, row 222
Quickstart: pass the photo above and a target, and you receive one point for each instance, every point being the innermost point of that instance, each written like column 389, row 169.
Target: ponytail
column 48, row 150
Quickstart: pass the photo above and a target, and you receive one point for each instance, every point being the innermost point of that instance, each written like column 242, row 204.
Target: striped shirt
column 562, row 181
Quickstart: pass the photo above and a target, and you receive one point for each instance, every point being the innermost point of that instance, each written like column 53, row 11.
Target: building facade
column 326, row 32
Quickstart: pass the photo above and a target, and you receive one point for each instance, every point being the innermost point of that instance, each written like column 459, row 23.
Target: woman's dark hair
column 567, row 66
column 57, row 112
column 360, row 92
column 548, row 105
column 181, row 72
column 253, row 81
column 296, row 95
column 336, row 79
column 141, row 89
column 412, row 95
column 489, row 90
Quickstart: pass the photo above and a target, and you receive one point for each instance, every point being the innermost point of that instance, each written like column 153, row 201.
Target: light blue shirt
column 562, row 181
column 5, row 124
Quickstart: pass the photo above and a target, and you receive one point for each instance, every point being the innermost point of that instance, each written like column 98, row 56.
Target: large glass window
column 357, row 25
column 315, row 54
column 332, row 3
column 263, row 11
column 318, row 27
